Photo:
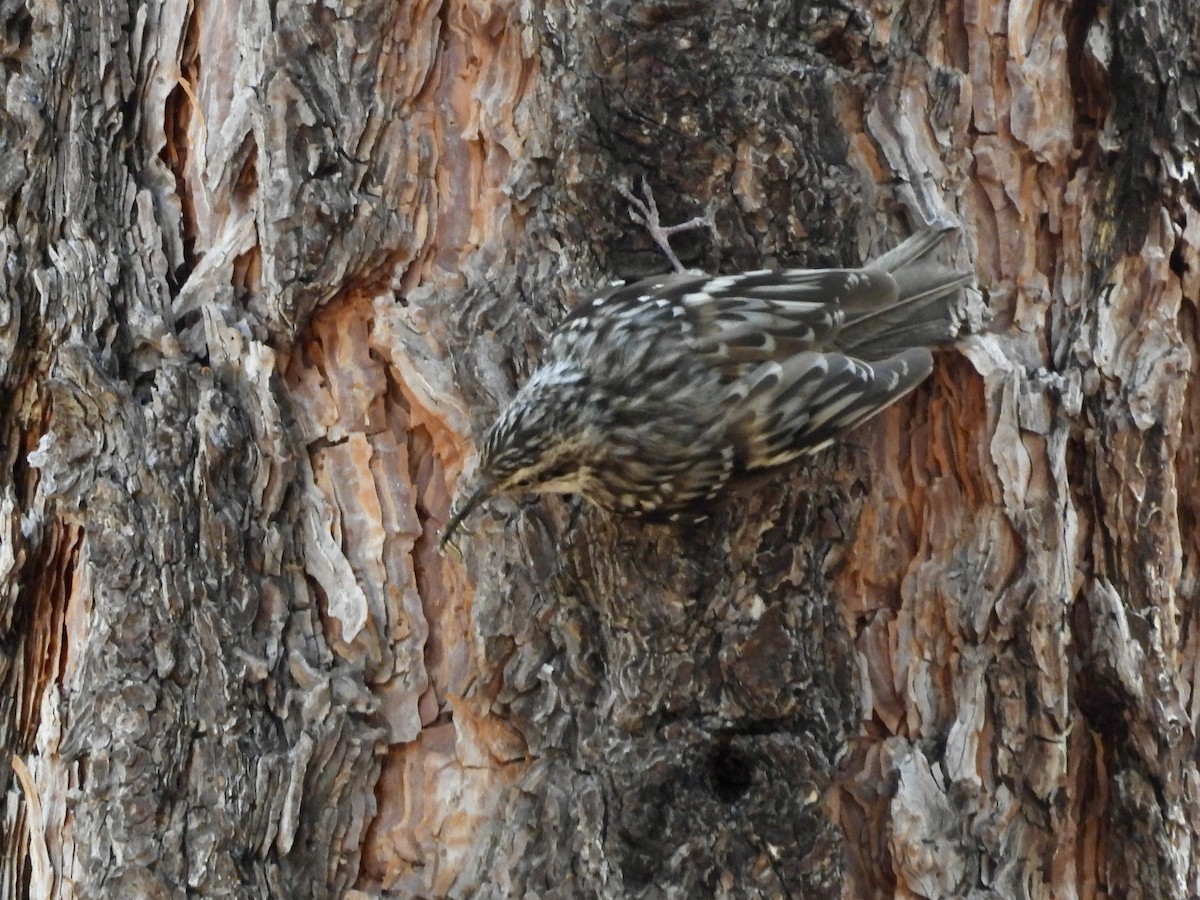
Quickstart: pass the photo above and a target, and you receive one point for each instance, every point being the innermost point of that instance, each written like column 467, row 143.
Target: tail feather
column 912, row 248
column 926, row 309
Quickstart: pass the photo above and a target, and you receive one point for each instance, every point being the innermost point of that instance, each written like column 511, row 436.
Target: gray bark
column 269, row 271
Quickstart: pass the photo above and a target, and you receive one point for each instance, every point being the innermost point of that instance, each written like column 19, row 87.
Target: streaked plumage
column 656, row 395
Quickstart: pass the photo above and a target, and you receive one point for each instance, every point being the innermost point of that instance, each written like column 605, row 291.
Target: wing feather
column 784, row 410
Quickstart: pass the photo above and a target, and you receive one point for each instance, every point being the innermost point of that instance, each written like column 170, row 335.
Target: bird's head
column 535, row 446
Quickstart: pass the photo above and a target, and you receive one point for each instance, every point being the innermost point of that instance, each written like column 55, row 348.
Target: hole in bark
column 180, row 108
column 16, row 35
column 188, row 319
column 730, row 773
column 247, row 273
column 246, row 187
column 839, row 49
column 1178, row 265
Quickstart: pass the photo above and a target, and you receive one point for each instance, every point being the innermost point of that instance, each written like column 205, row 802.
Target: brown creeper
column 658, row 395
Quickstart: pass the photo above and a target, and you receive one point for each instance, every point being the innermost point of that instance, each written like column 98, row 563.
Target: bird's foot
column 645, row 213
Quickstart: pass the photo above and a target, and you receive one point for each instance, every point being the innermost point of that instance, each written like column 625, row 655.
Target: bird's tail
column 926, row 309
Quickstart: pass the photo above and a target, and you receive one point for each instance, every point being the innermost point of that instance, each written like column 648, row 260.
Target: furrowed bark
column 269, row 271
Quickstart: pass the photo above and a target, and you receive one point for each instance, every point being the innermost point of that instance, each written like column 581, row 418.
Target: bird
column 655, row 397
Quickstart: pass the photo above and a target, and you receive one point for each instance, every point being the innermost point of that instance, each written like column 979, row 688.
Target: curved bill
column 477, row 496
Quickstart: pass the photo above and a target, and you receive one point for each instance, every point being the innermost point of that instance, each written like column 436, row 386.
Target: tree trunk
column 270, row 270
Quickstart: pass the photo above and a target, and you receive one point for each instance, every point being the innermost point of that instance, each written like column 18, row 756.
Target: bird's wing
column 746, row 318
column 783, row 409
column 903, row 299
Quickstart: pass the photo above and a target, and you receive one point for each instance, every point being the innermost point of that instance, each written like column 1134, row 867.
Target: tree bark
column 270, row 270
